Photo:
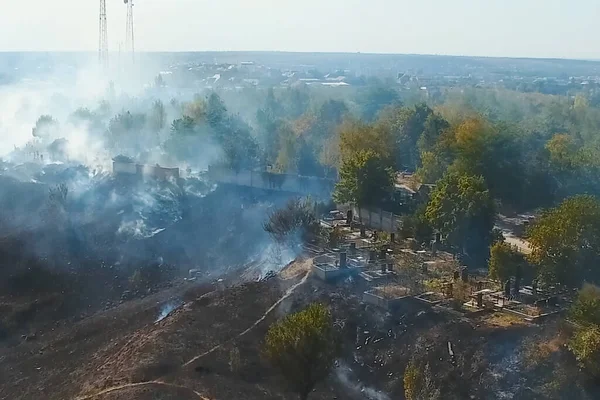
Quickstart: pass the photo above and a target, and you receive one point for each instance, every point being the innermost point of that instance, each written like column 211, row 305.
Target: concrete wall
column 124, row 168
column 160, row 172
column 378, row 219
column 310, row 185
column 151, row 171
column 391, row 304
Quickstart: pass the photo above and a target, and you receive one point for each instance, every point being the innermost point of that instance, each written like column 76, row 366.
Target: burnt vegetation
column 470, row 213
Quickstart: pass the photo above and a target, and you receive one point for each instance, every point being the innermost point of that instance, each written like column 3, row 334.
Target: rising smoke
column 65, row 124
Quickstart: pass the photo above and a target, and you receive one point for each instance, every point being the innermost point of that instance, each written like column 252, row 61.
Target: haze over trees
column 446, row 158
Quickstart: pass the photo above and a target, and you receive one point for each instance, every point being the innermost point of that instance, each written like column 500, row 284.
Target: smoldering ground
column 72, row 228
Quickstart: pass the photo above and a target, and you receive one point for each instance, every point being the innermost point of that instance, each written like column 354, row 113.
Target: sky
column 516, row 28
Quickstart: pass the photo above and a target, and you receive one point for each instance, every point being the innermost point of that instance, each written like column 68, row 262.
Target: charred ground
column 210, row 347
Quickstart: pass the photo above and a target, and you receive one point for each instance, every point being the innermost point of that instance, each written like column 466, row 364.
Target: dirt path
column 113, row 389
column 137, row 385
column 507, row 226
column 287, row 294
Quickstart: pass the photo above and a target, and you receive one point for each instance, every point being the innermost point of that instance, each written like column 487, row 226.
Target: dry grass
column 504, row 320
column 540, row 352
column 392, row 291
column 296, row 268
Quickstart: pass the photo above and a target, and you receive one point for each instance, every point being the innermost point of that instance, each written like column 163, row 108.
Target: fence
column 319, row 187
column 378, row 219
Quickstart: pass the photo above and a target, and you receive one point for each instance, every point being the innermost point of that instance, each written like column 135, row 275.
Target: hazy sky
column 532, row 28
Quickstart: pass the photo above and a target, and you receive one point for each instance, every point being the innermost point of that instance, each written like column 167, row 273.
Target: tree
column 418, row 382
column 565, row 242
column 504, row 261
column 125, row 129
column 562, row 151
column 406, row 126
column 417, row 226
column 159, row 82
column 586, row 308
column 158, row 116
column 45, row 127
column 216, row 111
column 585, row 342
column 184, row 126
column 462, row 210
column 375, row 99
column 365, row 179
column 357, row 136
column 303, row 347
column 240, row 149
column 296, row 219
column 196, row 109
column 585, row 345
column 433, row 127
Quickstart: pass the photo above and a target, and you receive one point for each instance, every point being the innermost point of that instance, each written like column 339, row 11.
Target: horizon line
column 303, row 52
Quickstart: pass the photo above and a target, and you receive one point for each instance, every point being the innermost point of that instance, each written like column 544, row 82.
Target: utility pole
column 129, row 31
column 103, row 39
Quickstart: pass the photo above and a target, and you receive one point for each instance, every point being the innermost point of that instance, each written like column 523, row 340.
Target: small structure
column 387, row 297
column 124, row 165
column 330, row 267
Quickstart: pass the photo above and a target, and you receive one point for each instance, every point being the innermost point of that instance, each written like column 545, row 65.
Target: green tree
column 365, row 179
column 303, row 347
column 417, row 226
column 565, row 242
column 586, row 307
column 406, row 126
column 504, row 261
column 357, row 136
column 433, row 128
column 462, row 210
column 184, row 126
column 585, row 345
column 215, row 110
column 374, row 99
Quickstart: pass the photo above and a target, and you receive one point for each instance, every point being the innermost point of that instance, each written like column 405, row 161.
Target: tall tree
column 565, row 242
column 462, row 210
column 504, row 261
column 158, row 116
column 355, row 136
column 303, row 347
column 375, row 99
column 365, row 179
column 406, row 126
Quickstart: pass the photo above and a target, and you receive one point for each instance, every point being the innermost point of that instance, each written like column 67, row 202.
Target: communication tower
column 129, row 36
column 103, row 39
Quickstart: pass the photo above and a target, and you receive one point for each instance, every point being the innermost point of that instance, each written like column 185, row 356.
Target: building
column 409, row 189
column 124, row 165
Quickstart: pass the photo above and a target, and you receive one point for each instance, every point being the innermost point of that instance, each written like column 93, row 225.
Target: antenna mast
column 129, row 37
column 103, row 39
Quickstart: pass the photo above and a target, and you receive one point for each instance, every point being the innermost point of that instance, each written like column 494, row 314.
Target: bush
column 418, row 383
column 296, row 218
column 303, row 346
column 585, row 345
column 586, row 308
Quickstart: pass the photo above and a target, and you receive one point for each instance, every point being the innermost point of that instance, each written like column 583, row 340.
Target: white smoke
column 360, row 391
column 23, row 102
